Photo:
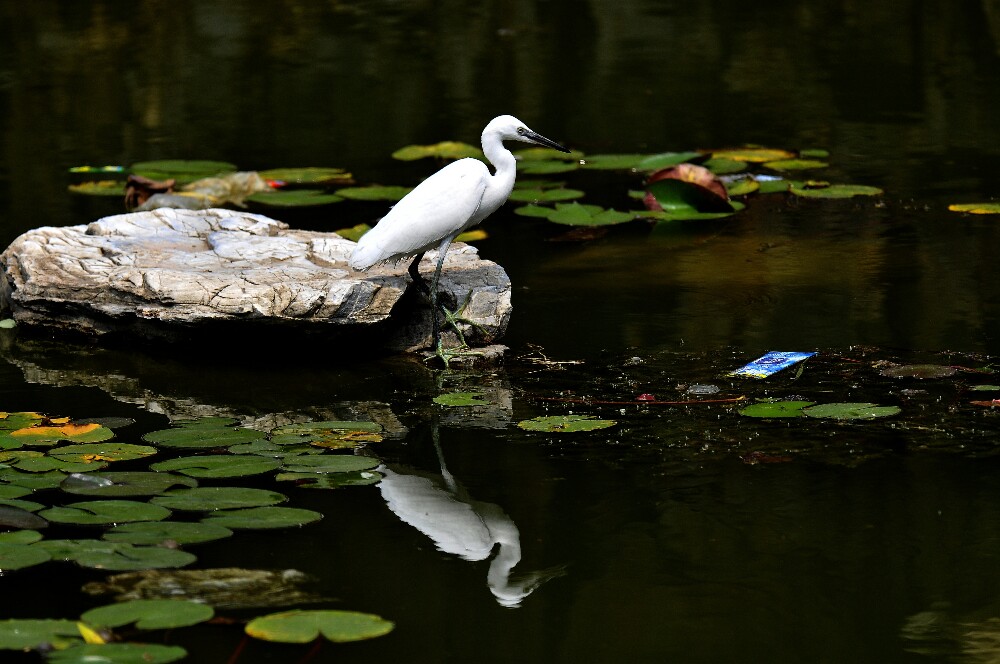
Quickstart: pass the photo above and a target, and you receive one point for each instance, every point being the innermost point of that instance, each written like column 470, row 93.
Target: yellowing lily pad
column 442, row 150
column 114, row 188
column 756, row 155
column 976, row 208
column 353, row 233
column 52, row 434
column 20, row 634
column 303, row 626
column 565, row 423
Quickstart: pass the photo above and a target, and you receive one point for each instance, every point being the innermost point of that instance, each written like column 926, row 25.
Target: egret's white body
column 447, row 203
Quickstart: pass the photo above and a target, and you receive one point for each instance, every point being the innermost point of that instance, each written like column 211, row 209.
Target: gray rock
column 168, row 272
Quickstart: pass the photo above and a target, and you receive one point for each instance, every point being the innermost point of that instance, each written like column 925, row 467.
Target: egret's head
column 509, row 128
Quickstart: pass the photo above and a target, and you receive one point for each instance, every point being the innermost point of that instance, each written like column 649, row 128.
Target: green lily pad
column 613, row 162
column 461, row 399
column 331, row 480
column 115, row 188
column 117, row 653
column 48, row 480
column 836, row 191
column 181, row 170
column 565, row 423
column 976, row 208
column 225, row 465
column 794, row 164
column 202, row 436
column 374, row 193
column 8, row 491
column 724, row 166
column 775, row 409
column 149, row 614
column 772, row 184
column 919, row 371
column 116, row 556
column 160, row 533
column 576, row 214
column 18, row 556
column 269, row 448
column 11, row 421
column 442, row 150
column 329, row 463
column 657, row 162
column 306, row 428
column 303, row 626
column 206, row 423
column 538, row 167
column 18, row 517
column 538, row 211
column 814, row 153
column 31, row 634
column 44, row 464
column 101, row 512
column 207, row 499
column 26, row 505
column 96, row 452
column 307, row 175
column 753, row 154
column 540, row 195
column 286, row 198
column 20, row 537
column 742, row 186
column 262, row 518
column 850, row 411
column 354, row 233
column 127, row 483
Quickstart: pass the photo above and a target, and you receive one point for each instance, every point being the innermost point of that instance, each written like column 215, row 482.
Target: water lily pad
column 723, row 166
column 44, row 464
column 304, row 626
column 294, row 198
column 753, row 154
column 307, row 175
column 461, row 399
column 354, row 233
column 975, row 388
column 613, row 162
column 224, row 465
column 18, row 517
column 127, row 483
column 814, row 153
column 149, row 614
column 95, row 452
column 50, row 434
column 20, row 537
column 741, row 186
column 117, row 653
column 850, row 411
column 263, row 518
column 374, row 193
column 442, row 150
column 331, row 480
column 18, row 556
column 976, row 208
column 11, row 421
column 836, row 191
column 160, row 533
column 565, row 423
column 775, row 409
column 553, row 167
column 13, row 491
column 101, row 512
column 32, row 634
column 540, row 195
column 181, row 170
column 48, row 480
column 686, row 188
column 795, row 164
column 311, row 428
column 117, row 556
column 329, row 463
column 115, row 188
column 919, row 371
column 207, row 499
column 475, row 235
column 202, row 436
column 7, row 323
column 663, row 160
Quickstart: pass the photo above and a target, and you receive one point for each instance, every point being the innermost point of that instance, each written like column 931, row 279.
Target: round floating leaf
column 181, row 170
column 666, row 160
column 442, row 150
column 128, row 483
column 850, row 411
column 202, row 436
column 206, row 423
column 575, row 214
column 294, row 198
column 756, row 155
column 976, row 208
column 774, row 184
column 461, row 399
column 207, row 499
column 775, row 409
column 919, row 371
column 374, row 193
column 354, row 233
column 533, row 211
column 95, row 452
column 18, row 556
column 565, row 423
column 225, row 465
column 158, row 533
column 11, row 421
column 20, row 537
column 795, row 164
column 329, row 425
column 545, row 195
column 329, row 463
column 302, row 626
column 538, row 167
column 47, row 480
column 686, row 187
column 976, row 388
column 117, row 556
column 32, row 634
column 149, row 614
column 117, row 653
column 307, row 175
column 100, row 512
column 261, row 518
column 612, row 162
column 723, row 166
column 8, row 491
column 45, row 464
column 114, row 188
column 742, row 186
column 270, row 448
column 814, row 153
column 52, row 434
column 475, row 235
column 17, row 517
column 26, row 505
column 331, row 480
column 836, row 191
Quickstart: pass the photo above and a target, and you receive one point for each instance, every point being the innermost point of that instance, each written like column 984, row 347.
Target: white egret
column 447, row 203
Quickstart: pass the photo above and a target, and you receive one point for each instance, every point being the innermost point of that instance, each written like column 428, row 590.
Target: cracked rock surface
column 161, row 273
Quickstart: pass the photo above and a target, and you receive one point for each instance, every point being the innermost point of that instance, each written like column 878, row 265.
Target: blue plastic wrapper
column 770, row 363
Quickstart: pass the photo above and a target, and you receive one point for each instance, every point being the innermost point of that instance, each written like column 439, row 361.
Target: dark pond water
column 684, row 533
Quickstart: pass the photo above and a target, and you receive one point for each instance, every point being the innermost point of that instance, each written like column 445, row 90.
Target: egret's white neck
column 502, row 180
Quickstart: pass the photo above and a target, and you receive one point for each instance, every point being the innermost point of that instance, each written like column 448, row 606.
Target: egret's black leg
column 414, row 272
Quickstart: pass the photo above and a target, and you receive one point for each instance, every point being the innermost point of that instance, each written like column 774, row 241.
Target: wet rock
column 167, row 272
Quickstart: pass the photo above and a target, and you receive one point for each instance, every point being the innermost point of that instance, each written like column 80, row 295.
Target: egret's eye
column 521, row 131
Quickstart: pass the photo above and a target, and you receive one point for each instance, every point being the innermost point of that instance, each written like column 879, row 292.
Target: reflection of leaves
column 262, row 518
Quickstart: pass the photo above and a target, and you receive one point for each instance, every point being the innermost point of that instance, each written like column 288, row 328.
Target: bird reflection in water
column 441, row 508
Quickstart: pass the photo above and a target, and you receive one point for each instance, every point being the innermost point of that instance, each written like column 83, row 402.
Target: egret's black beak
column 541, row 140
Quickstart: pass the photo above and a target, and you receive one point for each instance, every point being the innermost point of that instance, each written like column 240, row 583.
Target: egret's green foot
column 453, row 318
